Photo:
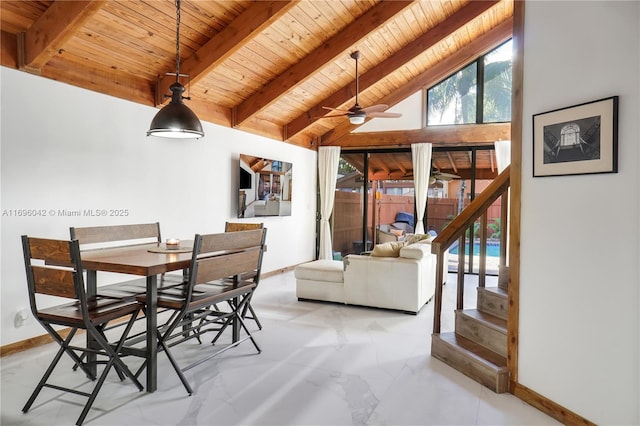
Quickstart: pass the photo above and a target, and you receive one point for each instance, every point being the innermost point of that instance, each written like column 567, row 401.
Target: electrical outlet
column 21, row 317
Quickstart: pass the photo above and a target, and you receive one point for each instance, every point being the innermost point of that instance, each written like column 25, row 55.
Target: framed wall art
column 580, row 139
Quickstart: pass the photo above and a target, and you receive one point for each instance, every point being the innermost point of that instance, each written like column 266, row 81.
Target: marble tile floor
column 321, row 364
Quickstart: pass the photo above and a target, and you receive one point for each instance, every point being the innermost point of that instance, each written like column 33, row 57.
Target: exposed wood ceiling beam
column 399, row 59
column 454, row 135
column 327, row 52
column 49, row 33
column 227, row 42
column 442, row 69
column 8, row 50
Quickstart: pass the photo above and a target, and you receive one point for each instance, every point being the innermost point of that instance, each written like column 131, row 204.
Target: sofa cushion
column 416, row 250
column 321, row 270
column 390, row 249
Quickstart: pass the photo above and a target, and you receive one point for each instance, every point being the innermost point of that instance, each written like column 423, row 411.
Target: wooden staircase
column 478, row 345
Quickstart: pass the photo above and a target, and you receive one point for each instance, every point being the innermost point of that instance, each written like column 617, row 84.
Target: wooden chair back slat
column 52, row 267
column 50, row 251
column 226, row 265
column 230, row 241
column 54, row 282
column 241, row 226
column 111, row 233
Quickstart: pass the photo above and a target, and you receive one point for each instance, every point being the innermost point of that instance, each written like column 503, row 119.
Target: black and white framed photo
column 580, row 139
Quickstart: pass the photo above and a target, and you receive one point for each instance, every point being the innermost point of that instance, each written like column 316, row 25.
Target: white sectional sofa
column 404, row 283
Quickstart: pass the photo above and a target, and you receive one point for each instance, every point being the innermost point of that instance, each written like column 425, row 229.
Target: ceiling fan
column 356, row 113
column 437, row 175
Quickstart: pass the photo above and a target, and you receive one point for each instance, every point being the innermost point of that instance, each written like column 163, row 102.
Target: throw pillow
column 414, row 238
column 390, row 249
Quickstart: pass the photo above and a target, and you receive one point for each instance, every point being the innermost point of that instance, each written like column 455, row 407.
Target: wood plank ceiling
column 265, row 67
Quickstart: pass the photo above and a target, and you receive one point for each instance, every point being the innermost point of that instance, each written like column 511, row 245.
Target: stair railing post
column 482, row 271
column 504, row 227
column 461, row 258
column 437, row 308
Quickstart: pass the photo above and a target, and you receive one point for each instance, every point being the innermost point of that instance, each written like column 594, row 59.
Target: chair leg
column 176, row 367
column 238, row 315
column 254, row 316
column 114, row 361
column 63, row 348
column 165, row 347
column 120, row 366
column 243, row 325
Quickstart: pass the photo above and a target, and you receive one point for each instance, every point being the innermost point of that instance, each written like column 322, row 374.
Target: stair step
column 493, row 300
column 481, row 364
column 485, row 329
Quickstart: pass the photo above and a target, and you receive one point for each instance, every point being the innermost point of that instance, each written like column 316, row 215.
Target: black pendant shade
column 176, row 120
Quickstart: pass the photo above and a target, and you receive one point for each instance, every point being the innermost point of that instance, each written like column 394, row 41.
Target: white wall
column 579, row 299
column 412, row 110
column 65, row 148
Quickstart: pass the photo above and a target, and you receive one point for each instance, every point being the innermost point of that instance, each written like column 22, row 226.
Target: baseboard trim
column 277, row 271
column 547, row 406
column 33, row 342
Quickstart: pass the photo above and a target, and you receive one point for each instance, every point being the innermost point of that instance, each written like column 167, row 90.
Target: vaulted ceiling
column 265, row 67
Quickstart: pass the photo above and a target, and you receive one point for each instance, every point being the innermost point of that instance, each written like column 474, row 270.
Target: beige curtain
column 421, row 158
column 328, row 158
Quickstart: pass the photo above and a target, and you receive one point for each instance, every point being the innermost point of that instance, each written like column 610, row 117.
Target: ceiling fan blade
column 384, row 114
column 446, row 176
column 375, row 108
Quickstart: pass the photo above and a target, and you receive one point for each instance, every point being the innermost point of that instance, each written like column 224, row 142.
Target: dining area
column 196, row 291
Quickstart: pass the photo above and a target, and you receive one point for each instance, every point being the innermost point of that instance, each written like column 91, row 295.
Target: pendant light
column 176, row 120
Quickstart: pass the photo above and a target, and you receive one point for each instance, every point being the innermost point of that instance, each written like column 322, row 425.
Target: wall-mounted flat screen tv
column 264, row 187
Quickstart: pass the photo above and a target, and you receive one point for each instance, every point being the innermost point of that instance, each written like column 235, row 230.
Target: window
column 497, row 85
column 459, row 100
column 453, row 101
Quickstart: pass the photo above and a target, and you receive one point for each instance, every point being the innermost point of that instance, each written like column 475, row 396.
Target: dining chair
column 96, row 237
column 215, row 257
column 53, row 268
column 255, row 275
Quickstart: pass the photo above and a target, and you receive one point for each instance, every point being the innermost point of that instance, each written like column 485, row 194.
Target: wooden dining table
column 139, row 260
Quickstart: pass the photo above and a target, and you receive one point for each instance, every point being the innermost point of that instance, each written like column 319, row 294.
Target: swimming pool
column 493, row 249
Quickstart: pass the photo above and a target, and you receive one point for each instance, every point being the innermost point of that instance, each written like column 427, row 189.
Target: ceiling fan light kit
column 357, row 118
column 176, row 120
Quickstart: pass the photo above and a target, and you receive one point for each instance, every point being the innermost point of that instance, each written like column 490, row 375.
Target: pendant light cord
column 177, row 40
column 357, row 82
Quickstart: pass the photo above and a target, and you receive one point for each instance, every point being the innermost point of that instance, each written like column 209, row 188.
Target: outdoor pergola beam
column 227, row 42
column 453, row 163
column 442, row 69
column 328, row 52
column 51, row 31
column 394, row 62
